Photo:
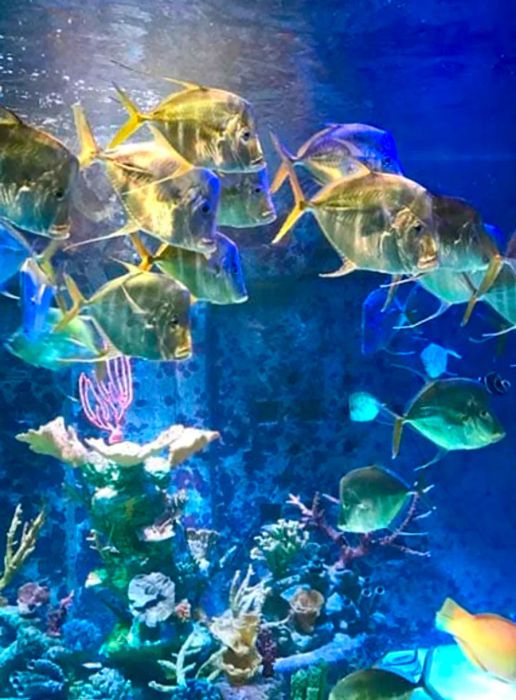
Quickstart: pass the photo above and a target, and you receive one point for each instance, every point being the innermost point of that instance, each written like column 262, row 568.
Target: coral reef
column 18, row 551
column 278, row 544
column 309, row 684
column 105, row 685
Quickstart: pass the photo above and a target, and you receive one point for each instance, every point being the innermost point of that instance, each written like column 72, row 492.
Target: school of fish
column 203, row 167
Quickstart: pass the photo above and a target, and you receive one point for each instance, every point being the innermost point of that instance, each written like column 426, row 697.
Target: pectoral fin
column 345, row 269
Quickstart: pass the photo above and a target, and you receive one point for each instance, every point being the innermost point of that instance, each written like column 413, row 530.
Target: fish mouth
column 257, row 163
column 59, row 231
column 427, row 262
column 268, row 217
column 183, row 352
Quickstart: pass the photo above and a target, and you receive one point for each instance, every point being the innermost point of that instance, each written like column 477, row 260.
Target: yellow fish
column 375, row 221
column 489, row 641
column 209, row 127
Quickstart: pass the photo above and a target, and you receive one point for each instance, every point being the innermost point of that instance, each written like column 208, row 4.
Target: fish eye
column 417, row 228
column 205, row 208
column 59, row 195
column 258, row 189
column 217, row 269
column 174, row 320
column 484, row 413
column 246, row 135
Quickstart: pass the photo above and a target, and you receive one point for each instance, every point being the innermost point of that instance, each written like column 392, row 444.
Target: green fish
column 162, row 193
column 218, row 279
column 209, row 127
column 371, row 498
column 375, row 221
column 453, row 413
column 337, row 150
column 141, row 314
column 502, row 294
column 54, row 349
column 381, row 684
column 245, row 200
column 37, row 173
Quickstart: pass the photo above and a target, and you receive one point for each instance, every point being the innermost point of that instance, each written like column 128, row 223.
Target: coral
column 200, row 543
column 57, row 616
column 80, row 636
column 278, row 545
column 108, row 684
column 151, row 598
column 340, row 648
column 315, row 518
column 268, row 650
column 17, row 552
column 306, row 607
column 177, row 669
column 237, row 629
column 42, row 680
column 259, row 690
column 196, row 690
column 31, row 596
column 56, row 440
column 308, row 684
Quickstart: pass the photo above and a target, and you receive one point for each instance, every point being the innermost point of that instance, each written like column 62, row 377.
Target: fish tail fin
column 492, row 272
column 146, row 257
column 301, row 204
column 78, row 301
column 396, row 437
column 136, row 118
column 424, row 681
column 282, row 172
column 89, row 149
column 448, row 616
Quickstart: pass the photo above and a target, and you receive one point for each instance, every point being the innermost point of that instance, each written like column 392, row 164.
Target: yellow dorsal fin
column 136, row 118
column 186, row 84
column 7, row 116
column 301, row 204
column 163, row 142
column 146, row 257
column 89, row 149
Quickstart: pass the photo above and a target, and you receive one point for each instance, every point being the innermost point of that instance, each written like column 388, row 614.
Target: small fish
column 211, row 128
column 14, row 250
column 37, row 294
column 371, row 498
column 453, row 413
column 245, row 200
column 37, row 173
column 218, row 279
column 488, row 641
column 494, row 383
column 142, row 314
column 162, row 193
column 375, row 221
column 333, row 153
column 435, row 359
column 363, row 407
column 55, row 349
column 381, row 684
column 380, row 320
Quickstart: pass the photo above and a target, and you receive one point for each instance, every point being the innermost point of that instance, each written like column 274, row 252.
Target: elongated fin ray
column 301, row 204
column 490, row 278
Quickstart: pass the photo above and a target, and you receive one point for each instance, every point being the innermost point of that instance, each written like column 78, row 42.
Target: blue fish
column 14, row 250
column 37, row 294
column 379, row 324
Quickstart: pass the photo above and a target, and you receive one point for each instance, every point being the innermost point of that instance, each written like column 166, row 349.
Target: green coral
column 309, row 683
column 278, row 544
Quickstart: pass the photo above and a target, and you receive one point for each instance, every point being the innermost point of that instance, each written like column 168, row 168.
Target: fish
column 488, row 640
column 335, row 151
column 245, row 200
column 55, row 349
column 382, row 684
column 510, row 251
column 37, row 173
column 371, row 498
column 454, row 414
column 375, row 221
column 162, row 193
column 363, row 407
column 501, row 296
column 141, row 314
column 380, row 320
column 37, row 294
column 465, row 244
column 211, row 128
column 218, row 279
column 435, row 359
column 14, row 251
column 495, row 384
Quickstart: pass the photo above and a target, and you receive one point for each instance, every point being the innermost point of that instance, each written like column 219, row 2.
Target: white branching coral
column 17, row 550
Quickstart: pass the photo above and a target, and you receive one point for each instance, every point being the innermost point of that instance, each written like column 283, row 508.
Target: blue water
column 273, row 376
